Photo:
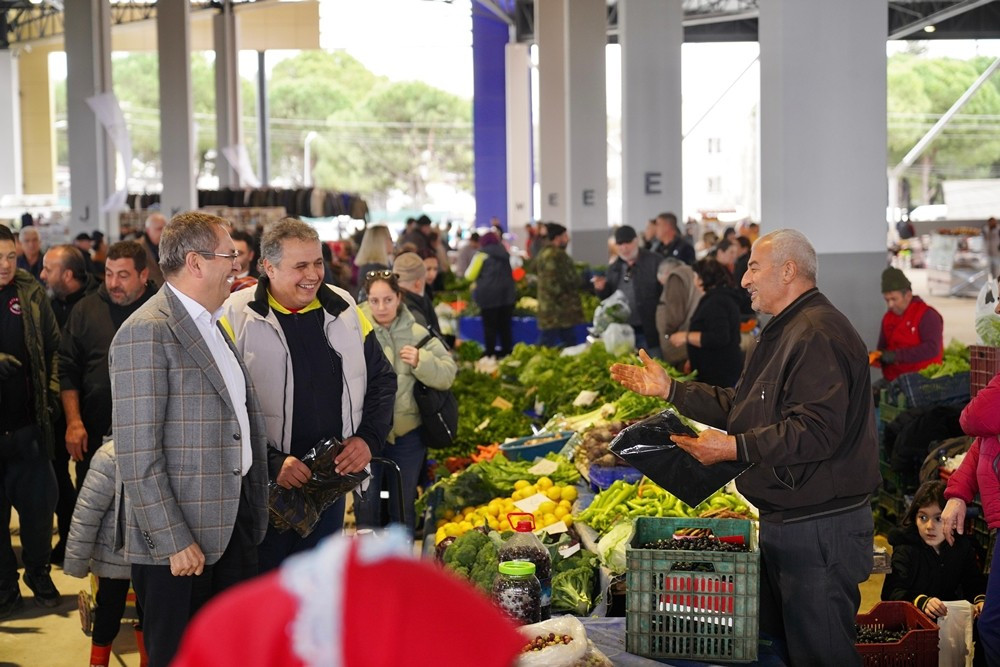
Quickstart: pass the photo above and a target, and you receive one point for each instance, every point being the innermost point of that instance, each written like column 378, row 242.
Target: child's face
column 929, row 525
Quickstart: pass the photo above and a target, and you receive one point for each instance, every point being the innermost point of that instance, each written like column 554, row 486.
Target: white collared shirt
column 229, row 366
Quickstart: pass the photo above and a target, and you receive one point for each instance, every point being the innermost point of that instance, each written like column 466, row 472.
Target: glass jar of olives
column 516, row 590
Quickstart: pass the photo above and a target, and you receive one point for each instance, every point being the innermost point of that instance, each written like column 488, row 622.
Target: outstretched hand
column 649, row 379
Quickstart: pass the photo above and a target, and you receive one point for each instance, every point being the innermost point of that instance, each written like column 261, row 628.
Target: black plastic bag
column 300, row 508
column 647, row 446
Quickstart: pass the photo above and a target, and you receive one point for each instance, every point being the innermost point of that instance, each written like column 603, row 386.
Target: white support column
column 177, row 144
column 823, row 139
column 586, row 129
column 88, row 73
column 651, row 33
column 550, row 35
column 227, row 92
column 517, row 63
column 11, row 176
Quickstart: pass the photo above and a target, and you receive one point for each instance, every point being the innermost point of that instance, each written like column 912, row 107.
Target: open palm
column 649, row 379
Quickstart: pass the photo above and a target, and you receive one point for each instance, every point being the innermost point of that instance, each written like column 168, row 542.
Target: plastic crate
column 890, row 406
column 601, row 477
column 922, row 392
column 671, row 613
column 525, row 449
column 917, row 648
column 985, row 363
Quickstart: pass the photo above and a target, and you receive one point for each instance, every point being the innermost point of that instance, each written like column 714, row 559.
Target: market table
column 608, row 634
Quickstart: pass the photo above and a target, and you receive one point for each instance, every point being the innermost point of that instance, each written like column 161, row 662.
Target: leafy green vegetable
column 954, row 361
column 611, row 547
column 988, row 328
column 469, row 350
column 473, row 556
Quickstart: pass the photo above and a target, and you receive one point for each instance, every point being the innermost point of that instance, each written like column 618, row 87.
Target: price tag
column 501, row 403
column 566, row 552
column 585, row 398
column 486, row 422
column 556, row 528
column 544, row 467
column 530, row 505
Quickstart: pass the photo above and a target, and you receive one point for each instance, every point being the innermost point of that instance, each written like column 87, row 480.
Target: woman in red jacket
column 980, row 473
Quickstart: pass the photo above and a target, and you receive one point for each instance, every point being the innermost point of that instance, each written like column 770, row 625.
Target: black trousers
column 27, row 484
column 67, row 492
column 809, row 595
column 111, row 597
column 497, row 322
column 168, row 603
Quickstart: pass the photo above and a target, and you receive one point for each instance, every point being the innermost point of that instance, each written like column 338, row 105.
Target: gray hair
column 272, row 242
column 666, row 266
column 29, row 231
column 790, row 245
column 154, row 216
column 185, row 233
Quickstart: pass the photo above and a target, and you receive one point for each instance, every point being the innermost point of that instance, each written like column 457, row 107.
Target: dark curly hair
column 712, row 274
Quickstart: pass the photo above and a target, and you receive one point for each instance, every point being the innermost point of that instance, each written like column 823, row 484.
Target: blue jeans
column 564, row 337
column 989, row 620
column 409, row 453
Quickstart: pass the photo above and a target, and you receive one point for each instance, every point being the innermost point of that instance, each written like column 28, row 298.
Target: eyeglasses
column 385, row 274
column 232, row 257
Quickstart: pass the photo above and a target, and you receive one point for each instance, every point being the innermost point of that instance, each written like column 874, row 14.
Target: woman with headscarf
column 494, row 293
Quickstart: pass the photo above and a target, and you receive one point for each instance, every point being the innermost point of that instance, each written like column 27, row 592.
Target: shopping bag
column 647, row 447
column 987, row 321
column 955, row 635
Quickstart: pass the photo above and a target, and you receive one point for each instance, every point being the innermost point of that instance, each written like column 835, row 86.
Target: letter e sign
column 588, row 197
column 653, row 179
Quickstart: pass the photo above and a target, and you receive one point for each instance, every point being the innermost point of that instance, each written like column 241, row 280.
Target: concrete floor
column 37, row 636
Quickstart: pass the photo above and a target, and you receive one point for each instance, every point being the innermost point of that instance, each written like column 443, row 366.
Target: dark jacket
column 647, row 289
column 152, row 261
column 41, row 337
column 63, row 307
column 801, row 412
column 920, row 573
column 83, row 355
column 422, row 309
column 494, row 282
column 678, row 248
column 719, row 359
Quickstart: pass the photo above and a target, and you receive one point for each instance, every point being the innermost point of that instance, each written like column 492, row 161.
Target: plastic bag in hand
column 647, row 447
column 612, row 310
column 300, row 508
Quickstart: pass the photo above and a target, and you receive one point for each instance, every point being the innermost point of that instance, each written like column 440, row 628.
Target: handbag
column 438, row 410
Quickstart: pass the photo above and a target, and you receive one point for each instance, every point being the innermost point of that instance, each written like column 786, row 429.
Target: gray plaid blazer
column 177, row 439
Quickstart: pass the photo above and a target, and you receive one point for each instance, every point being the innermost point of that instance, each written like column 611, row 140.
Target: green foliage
column 954, row 361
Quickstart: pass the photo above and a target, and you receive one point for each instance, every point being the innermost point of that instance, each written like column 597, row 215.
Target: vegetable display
column 473, row 556
column 954, row 361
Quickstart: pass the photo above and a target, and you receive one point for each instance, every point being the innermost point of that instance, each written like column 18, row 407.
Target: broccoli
column 463, row 551
column 485, row 568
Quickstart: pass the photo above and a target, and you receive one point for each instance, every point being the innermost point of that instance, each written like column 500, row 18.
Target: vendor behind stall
column 912, row 333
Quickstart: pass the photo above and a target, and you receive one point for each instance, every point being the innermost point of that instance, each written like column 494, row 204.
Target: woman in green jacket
column 432, row 364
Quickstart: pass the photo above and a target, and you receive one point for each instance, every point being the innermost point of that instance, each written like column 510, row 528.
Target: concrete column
column 88, row 73
column 823, row 138
column 177, row 146
column 227, row 92
column 550, row 35
column 518, row 76
column 586, row 130
column 11, row 175
column 38, row 140
column 651, row 33
column 263, row 120
column 489, row 38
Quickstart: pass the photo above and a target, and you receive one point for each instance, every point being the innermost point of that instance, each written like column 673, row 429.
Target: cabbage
column 611, row 547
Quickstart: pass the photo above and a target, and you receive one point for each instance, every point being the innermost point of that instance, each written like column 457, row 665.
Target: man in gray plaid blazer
column 191, row 505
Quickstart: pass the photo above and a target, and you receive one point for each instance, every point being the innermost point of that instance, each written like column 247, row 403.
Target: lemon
column 569, row 493
column 451, row 530
column 554, row 493
column 565, row 503
column 544, row 483
column 549, row 519
column 547, row 507
column 449, row 514
column 439, row 535
column 520, row 484
column 568, row 519
column 560, row 512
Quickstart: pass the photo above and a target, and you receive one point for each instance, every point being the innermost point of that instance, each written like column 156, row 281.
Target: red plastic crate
column 917, row 648
column 985, row 363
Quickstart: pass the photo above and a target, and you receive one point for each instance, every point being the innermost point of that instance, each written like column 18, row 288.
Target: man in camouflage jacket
column 559, row 308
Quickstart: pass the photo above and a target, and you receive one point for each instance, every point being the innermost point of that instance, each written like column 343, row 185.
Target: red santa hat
column 352, row 602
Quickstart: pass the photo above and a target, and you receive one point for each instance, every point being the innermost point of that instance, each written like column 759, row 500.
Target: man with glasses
column 319, row 369
column 634, row 273
column 190, row 438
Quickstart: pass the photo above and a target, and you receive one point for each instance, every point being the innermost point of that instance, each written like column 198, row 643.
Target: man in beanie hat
column 318, row 611
column 634, row 273
column 559, row 283
column 411, row 273
column 912, row 333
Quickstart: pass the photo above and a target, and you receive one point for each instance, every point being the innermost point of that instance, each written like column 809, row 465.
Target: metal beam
column 925, row 140
column 495, row 9
column 937, row 17
column 709, row 19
